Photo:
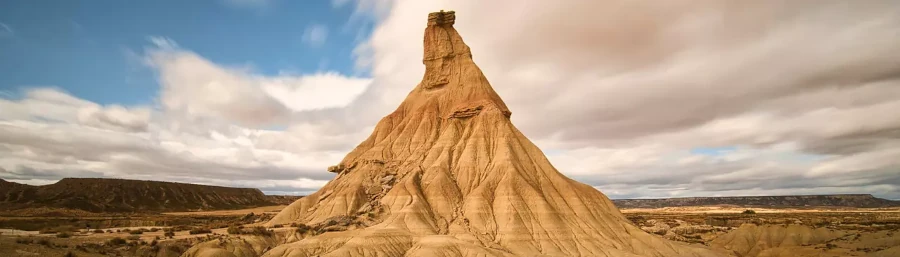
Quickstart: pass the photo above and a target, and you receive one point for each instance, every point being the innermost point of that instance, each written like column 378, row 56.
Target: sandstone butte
column 447, row 174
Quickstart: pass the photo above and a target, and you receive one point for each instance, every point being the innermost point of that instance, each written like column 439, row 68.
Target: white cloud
column 199, row 89
column 207, row 126
column 618, row 94
column 53, row 105
column 115, row 117
column 315, row 35
column 316, row 91
column 627, row 89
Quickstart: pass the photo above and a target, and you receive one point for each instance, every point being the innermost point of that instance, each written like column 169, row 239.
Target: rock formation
column 447, row 174
column 104, row 195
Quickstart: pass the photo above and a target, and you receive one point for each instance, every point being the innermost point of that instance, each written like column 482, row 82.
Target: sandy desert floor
column 775, row 232
column 39, row 236
column 265, row 209
column 767, row 233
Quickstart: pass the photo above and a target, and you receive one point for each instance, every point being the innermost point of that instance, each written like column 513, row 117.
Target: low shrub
column 196, row 231
column 133, row 238
column 748, row 211
column 259, row 231
column 55, row 230
column 302, row 228
column 98, row 231
column 116, row 241
column 169, row 234
column 63, row 235
column 277, row 226
column 180, row 228
column 234, row 230
column 154, row 229
column 136, row 232
column 23, row 240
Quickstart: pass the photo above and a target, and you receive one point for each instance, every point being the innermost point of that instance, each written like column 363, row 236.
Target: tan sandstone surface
column 447, row 174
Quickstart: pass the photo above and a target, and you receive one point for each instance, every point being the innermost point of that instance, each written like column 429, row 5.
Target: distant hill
column 120, row 195
column 848, row 200
column 283, row 199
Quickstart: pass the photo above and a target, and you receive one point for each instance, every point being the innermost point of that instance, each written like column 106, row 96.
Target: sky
column 640, row 99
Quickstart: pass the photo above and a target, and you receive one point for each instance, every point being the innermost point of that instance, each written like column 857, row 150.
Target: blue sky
column 91, row 48
column 268, row 93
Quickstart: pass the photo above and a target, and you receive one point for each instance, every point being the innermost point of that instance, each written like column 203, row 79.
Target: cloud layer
column 637, row 98
column 622, row 95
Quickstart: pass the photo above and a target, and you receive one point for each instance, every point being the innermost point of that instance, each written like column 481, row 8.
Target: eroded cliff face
column 447, row 174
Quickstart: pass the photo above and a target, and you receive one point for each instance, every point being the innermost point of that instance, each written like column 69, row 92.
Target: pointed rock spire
column 442, row 44
column 447, row 174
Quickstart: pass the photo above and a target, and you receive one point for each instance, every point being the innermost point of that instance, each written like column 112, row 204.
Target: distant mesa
column 784, row 201
column 103, row 195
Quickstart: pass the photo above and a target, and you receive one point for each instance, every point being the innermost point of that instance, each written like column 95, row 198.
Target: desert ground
column 166, row 234
column 777, row 231
column 265, row 209
column 767, row 232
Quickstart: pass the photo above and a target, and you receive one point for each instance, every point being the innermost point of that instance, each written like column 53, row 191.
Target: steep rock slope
column 6, row 187
column 121, row 195
column 447, row 174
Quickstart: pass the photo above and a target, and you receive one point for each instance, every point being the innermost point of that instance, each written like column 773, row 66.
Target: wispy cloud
column 6, row 30
column 315, row 35
column 163, row 42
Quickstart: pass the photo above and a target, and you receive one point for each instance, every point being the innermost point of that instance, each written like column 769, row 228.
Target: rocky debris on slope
column 849, row 200
column 454, row 177
column 889, row 252
column 679, row 230
column 101, row 195
column 466, row 112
